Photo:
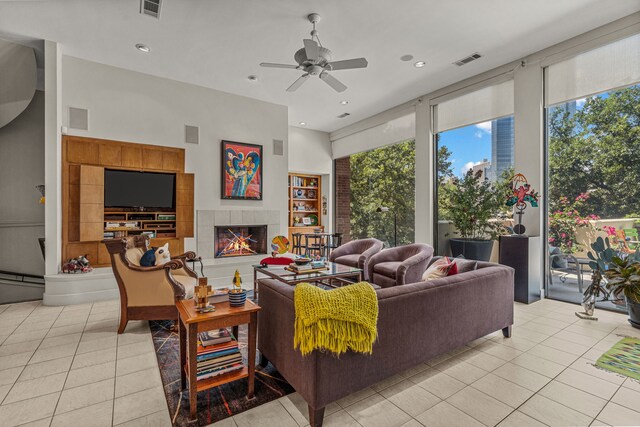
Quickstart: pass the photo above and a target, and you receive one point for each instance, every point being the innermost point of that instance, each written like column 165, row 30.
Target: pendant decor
column 521, row 193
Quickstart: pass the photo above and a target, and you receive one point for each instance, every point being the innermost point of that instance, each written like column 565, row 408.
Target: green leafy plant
column 623, row 277
column 476, row 206
column 602, row 254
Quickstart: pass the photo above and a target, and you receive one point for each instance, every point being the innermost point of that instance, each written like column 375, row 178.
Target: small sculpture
column 237, row 295
column 237, row 282
column 77, row 265
column 521, row 193
column 201, row 294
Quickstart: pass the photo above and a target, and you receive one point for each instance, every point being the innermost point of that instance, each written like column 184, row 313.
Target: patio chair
column 574, row 265
column 633, row 240
column 620, row 239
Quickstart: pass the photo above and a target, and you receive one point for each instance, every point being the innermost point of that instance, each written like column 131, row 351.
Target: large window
column 381, row 184
column 474, row 132
column 593, row 141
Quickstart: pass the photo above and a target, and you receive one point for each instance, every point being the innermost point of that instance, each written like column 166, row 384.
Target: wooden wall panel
column 103, row 255
column 82, row 248
column 84, row 151
column 110, row 155
column 131, row 157
column 152, row 158
column 185, row 183
column 171, row 161
column 91, row 203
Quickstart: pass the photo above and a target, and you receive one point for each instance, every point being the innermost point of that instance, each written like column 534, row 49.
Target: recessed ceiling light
column 406, row 58
column 345, row 102
column 419, row 64
column 303, row 123
column 253, row 78
column 143, row 48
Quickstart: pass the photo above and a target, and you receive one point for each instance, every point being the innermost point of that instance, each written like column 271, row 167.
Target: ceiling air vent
column 468, row 59
column 150, row 7
column 343, row 115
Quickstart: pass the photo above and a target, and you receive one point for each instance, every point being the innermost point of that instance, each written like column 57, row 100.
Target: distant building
column 502, row 138
column 484, row 166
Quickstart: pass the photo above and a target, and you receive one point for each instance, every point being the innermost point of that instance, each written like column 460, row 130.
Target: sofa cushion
column 350, row 260
column 438, row 269
column 388, row 269
column 189, row 284
column 465, row 265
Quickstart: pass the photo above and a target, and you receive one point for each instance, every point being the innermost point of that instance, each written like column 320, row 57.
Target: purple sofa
column 416, row 323
column 356, row 253
column 400, row 265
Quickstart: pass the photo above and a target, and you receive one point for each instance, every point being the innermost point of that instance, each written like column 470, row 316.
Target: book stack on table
column 218, row 354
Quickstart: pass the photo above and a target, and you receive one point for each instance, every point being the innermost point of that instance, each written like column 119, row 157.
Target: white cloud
column 484, row 127
column 580, row 102
column 479, row 134
column 469, row 165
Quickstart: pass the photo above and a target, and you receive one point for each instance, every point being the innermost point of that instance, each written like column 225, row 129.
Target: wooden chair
column 297, row 247
column 148, row 293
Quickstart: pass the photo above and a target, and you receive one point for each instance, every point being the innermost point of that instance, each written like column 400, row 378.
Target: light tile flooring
column 66, row 366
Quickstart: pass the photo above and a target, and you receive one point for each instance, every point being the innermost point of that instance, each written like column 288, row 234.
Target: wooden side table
column 191, row 323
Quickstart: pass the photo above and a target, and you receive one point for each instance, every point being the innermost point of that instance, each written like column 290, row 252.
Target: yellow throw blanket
column 336, row 320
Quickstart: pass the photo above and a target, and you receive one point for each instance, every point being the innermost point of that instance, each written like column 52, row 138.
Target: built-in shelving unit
column 153, row 224
column 305, row 203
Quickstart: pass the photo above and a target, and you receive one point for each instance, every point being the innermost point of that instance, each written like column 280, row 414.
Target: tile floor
column 66, row 366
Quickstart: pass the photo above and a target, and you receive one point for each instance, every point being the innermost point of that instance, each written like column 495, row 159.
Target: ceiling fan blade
column 272, row 65
column 333, row 82
column 311, row 49
column 298, row 83
column 348, row 64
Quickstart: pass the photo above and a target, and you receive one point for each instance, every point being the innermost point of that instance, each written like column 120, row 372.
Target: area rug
column 623, row 358
column 216, row 403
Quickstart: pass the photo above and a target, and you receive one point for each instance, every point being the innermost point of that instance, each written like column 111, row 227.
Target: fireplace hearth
column 241, row 240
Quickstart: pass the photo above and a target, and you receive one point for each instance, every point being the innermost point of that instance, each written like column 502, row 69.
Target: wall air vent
column 468, row 59
column 150, row 7
column 343, row 115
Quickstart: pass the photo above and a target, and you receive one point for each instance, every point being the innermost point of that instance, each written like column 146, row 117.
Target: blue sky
column 468, row 145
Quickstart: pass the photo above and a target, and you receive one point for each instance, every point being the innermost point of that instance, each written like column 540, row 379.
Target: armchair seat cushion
column 388, row 269
column 350, row 260
column 189, row 284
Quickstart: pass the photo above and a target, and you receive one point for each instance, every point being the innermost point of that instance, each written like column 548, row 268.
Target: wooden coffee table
column 191, row 323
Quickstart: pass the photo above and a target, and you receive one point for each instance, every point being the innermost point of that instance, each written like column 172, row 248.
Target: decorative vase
column 634, row 313
column 237, row 299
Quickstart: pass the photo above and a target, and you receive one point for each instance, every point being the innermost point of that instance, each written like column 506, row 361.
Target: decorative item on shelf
column 299, row 194
column 306, row 220
column 314, row 219
column 311, row 194
column 280, row 245
column 40, row 188
column 324, row 205
column 601, row 255
column 201, row 294
column 241, row 171
column 79, row 264
column 521, row 194
column 237, row 295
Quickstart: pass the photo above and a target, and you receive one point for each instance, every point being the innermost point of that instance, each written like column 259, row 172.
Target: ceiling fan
column 315, row 60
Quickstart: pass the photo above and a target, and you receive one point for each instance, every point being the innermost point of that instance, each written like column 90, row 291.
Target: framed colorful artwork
column 241, row 171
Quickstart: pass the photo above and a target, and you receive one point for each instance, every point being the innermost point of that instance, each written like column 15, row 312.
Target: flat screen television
column 132, row 189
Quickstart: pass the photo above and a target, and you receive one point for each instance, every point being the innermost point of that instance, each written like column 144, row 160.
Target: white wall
column 129, row 106
column 21, row 169
column 310, row 152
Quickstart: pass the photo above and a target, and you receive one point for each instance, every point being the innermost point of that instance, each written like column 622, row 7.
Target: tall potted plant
column 623, row 277
column 476, row 209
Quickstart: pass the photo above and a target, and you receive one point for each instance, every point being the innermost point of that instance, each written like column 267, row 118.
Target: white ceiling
column 217, row 44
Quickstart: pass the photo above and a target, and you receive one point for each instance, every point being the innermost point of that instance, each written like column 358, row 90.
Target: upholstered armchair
column 148, row 293
column 400, row 265
column 356, row 253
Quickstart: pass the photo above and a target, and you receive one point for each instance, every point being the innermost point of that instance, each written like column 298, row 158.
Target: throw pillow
column 453, row 270
column 148, row 258
column 438, row 269
column 162, row 255
column 465, row 265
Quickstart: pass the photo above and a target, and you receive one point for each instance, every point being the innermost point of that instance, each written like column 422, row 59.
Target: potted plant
column 623, row 277
column 476, row 209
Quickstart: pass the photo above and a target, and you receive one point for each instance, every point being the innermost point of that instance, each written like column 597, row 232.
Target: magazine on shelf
column 216, row 336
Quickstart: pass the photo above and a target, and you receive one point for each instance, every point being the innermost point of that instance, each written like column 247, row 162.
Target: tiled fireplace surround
column 209, row 219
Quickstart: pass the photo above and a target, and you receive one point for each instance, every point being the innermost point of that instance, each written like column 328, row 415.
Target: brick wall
column 343, row 198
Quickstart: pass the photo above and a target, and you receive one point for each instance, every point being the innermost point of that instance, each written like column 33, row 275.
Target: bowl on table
column 302, row 261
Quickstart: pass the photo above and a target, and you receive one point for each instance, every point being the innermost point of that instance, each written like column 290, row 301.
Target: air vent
column 150, row 7
column 78, row 118
column 191, row 134
column 343, row 115
column 468, row 59
column 278, row 147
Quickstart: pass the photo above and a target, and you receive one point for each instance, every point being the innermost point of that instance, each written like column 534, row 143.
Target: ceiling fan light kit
column 316, row 60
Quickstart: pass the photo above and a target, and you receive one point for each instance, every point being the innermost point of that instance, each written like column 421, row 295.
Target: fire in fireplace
column 234, row 241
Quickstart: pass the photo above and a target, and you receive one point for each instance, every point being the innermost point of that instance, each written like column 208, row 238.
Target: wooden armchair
column 148, row 293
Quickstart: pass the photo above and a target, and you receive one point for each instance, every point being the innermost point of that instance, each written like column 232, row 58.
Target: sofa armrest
column 341, row 251
column 365, row 256
column 185, row 270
